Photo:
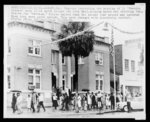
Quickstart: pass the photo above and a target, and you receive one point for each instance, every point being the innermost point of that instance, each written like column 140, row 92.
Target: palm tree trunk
column 76, row 71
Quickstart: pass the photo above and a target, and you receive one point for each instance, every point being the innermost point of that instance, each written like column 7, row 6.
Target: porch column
column 69, row 72
column 60, row 70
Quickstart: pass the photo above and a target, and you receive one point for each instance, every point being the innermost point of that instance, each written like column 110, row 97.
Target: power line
column 73, row 35
column 124, row 31
column 90, row 28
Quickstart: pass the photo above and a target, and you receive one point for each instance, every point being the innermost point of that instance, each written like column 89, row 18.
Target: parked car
column 136, row 103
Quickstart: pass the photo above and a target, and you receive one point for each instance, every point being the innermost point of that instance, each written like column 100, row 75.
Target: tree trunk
column 76, row 71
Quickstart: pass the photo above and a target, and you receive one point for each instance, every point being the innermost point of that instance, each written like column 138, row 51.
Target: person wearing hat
column 99, row 95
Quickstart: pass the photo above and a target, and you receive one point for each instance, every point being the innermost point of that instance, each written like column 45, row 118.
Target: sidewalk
column 51, row 113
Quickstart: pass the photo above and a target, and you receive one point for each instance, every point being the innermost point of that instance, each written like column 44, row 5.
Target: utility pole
column 112, row 34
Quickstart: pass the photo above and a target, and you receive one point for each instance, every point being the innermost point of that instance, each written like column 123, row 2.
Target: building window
column 132, row 66
column 8, row 77
column 99, row 82
column 63, row 82
column 54, row 57
column 34, row 77
column 81, row 60
column 34, row 47
column 126, row 65
column 63, row 60
column 9, row 47
column 99, row 58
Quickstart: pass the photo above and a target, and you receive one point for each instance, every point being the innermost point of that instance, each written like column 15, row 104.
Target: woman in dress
column 84, row 102
column 29, row 102
column 89, row 100
column 55, row 101
column 19, row 103
column 79, row 101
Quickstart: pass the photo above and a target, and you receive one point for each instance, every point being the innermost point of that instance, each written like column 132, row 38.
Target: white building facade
column 132, row 79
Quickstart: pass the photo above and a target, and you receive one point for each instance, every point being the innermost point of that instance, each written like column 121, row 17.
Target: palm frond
column 80, row 45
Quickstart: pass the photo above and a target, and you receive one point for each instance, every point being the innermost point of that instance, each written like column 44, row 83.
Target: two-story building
column 129, row 63
column 33, row 60
column 29, row 58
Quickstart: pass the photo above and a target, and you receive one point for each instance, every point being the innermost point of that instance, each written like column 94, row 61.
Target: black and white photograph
column 74, row 61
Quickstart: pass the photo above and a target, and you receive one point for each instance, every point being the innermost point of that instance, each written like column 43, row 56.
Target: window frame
column 63, row 60
column 64, row 79
column 34, row 75
column 53, row 57
column 9, row 49
column 126, row 64
column 34, row 46
column 97, row 84
column 99, row 78
column 99, row 58
column 9, row 75
column 132, row 66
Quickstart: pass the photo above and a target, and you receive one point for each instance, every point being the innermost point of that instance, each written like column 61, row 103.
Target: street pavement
column 51, row 113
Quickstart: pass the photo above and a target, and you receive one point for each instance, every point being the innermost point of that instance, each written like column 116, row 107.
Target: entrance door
column 53, row 80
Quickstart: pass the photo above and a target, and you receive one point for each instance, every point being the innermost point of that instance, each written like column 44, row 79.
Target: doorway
column 53, row 80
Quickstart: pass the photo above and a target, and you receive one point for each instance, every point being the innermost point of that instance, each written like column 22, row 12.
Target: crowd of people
column 68, row 101
column 85, row 101
column 34, row 102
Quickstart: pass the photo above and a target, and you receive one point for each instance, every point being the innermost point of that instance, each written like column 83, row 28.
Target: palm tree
column 78, row 46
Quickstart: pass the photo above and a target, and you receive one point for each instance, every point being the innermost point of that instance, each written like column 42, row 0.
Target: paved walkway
column 50, row 113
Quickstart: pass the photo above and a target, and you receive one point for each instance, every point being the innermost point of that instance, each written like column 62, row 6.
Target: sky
column 135, row 24
column 129, row 25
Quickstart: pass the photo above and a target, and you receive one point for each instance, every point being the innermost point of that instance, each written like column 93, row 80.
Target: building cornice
column 30, row 27
column 100, row 40
column 101, row 43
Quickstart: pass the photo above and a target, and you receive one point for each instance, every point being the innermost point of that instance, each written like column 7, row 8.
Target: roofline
column 32, row 25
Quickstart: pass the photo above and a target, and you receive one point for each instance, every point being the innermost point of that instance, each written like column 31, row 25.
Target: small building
column 129, row 58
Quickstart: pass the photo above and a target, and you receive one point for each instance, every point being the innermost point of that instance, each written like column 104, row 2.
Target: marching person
column 55, row 104
column 112, row 101
column 99, row 101
column 93, row 101
column 33, row 102
column 60, row 101
column 79, row 101
column 66, row 102
column 63, row 102
column 40, row 100
column 13, row 103
column 96, row 102
column 29, row 102
column 107, row 102
column 117, row 100
column 89, row 100
column 128, row 96
column 19, row 103
column 103, row 101
column 76, row 103
column 84, row 102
